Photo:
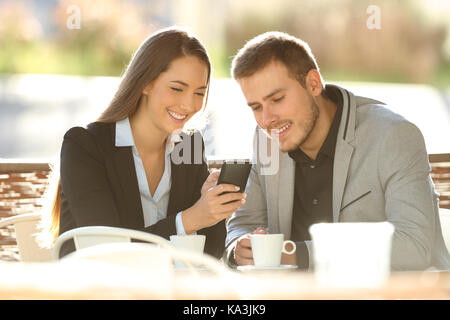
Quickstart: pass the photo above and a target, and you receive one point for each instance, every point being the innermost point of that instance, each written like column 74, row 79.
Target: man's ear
column 313, row 82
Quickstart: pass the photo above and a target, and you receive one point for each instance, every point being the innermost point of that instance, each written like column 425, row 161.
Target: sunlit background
column 55, row 74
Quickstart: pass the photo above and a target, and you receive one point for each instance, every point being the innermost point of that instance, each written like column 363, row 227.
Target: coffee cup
column 193, row 243
column 352, row 254
column 267, row 249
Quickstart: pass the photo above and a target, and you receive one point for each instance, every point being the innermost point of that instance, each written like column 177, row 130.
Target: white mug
column 354, row 254
column 194, row 243
column 267, row 249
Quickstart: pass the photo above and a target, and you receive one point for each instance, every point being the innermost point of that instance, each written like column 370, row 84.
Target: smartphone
column 235, row 172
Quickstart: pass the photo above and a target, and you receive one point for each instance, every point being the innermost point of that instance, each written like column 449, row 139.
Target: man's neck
column 327, row 110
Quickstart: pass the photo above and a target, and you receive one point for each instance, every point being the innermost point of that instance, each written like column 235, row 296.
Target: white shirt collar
column 124, row 136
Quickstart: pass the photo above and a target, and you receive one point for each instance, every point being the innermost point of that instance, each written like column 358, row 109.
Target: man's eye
column 200, row 94
column 278, row 99
column 256, row 108
column 176, row 89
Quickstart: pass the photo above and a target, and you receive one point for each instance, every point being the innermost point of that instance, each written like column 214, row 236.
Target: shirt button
column 312, row 166
column 315, row 201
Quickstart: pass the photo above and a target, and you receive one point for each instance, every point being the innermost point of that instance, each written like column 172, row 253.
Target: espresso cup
column 193, row 243
column 267, row 249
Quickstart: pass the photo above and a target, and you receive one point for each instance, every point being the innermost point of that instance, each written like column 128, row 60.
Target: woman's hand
column 213, row 206
column 211, row 181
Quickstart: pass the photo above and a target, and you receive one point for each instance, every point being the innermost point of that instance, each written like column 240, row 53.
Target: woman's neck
column 147, row 138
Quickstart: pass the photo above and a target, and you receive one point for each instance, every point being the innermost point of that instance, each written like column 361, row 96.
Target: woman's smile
column 176, row 116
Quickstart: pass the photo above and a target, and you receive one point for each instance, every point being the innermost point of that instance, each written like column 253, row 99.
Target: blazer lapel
column 342, row 158
column 131, row 213
column 176, row 202
column 286, row 186
column 279, row 184
column 272, row 186
column 344, row 151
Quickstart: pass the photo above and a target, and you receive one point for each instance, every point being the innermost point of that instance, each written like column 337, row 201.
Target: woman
column 120, row 170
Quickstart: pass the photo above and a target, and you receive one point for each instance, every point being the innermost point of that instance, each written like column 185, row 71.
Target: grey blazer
column 381, row 173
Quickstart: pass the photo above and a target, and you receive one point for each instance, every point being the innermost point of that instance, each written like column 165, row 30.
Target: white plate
column 284, row 267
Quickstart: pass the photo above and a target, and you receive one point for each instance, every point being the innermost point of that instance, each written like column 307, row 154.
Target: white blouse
column 154, row 207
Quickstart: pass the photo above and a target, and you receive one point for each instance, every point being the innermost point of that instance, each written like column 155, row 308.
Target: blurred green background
column 412, row 45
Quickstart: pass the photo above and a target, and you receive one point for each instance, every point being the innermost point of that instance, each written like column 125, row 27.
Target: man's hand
column 243, row 254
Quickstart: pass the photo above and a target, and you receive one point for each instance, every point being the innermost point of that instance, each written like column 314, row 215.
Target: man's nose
column 268, row 117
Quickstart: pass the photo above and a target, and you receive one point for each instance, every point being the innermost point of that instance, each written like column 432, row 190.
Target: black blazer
column 99, row 187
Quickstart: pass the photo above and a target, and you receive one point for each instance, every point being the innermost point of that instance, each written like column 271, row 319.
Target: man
column 343, row 158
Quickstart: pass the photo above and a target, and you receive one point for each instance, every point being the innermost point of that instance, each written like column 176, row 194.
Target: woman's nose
column 188, row 104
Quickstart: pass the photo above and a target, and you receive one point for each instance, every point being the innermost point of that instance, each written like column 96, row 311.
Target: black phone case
column 235, row 173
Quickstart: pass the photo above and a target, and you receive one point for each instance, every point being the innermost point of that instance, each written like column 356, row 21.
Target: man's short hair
column 294, row 53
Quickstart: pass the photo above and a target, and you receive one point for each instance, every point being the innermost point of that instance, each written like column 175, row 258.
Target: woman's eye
column 256, row 108
column 200, row 94
column 176, row 89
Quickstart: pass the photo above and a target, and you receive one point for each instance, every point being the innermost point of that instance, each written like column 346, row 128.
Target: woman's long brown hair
column 152, row 58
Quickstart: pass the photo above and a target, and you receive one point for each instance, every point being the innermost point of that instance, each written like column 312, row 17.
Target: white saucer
column 284, row 267
column 186, row 268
